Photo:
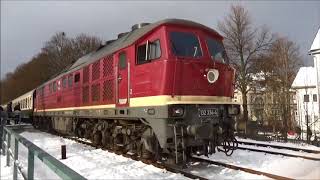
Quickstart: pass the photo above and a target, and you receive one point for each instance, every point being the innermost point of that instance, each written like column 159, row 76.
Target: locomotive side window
column 50, row 87
column 54, row 86
column 216, row 50
column 122, row 60
column 77, row 78
column 141, row 54
column 146, row 53
column 70, row 80
column 185, row 44
column 64, row 82
column 154, row 50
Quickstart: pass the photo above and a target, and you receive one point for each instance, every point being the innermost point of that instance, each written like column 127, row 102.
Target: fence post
column 8, row 147
column 15, row 167
column 30, row 164
column 3, row 139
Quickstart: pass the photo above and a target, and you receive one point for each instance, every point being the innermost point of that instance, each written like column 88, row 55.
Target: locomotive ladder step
column 179, row 135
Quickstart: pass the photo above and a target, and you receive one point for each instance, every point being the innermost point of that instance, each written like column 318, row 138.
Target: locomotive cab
column 191, row 77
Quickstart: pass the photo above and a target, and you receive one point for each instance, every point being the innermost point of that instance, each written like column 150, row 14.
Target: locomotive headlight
column 233, row 110
column 212, row 75
column 177, row 111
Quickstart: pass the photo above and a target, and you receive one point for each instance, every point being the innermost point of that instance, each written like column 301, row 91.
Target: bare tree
column 285, row 60
column 63, row 51
column 57, row 54
column 243, row 43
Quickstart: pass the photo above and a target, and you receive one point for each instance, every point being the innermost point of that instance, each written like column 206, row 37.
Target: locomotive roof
column 128, row 40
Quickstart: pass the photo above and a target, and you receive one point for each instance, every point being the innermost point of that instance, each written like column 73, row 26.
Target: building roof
column 315, row 47
column 306, row 77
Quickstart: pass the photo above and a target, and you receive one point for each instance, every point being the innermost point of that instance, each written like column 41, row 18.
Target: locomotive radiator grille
column 85, row 94
column 108, row 91
column 95, row 74
column 95, row 92
column 86, row 74
column 108, row 66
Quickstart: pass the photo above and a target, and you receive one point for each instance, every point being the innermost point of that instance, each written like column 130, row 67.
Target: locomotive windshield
column 185, row 44
column 217, row 51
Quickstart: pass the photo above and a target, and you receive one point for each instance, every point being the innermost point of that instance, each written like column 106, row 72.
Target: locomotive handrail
column 55, row 165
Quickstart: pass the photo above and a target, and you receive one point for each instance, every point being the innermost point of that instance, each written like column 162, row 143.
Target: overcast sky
column 25, row 26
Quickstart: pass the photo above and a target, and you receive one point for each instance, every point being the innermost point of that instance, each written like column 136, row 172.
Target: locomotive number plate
column 208, row 112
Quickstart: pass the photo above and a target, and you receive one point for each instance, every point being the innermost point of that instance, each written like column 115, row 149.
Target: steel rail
column 279, row 153
column 235, row 167
column 280, row 147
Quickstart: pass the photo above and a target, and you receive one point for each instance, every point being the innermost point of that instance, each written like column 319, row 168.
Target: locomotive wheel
column 97, row 137
column 80, row 132
column 105, row 139
column 142, row 152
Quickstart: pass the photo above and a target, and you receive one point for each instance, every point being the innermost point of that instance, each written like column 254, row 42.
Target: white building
column 307, row 98
column 307, row 85
column 315, row 52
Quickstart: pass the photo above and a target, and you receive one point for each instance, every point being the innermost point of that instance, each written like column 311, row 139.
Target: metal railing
column 55, row 165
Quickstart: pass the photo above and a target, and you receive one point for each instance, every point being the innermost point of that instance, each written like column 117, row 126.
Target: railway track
column 279, row 153
column 280, row 147
column 235, row 167
column 184, row 171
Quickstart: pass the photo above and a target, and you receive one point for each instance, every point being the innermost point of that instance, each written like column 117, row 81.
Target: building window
column 307, row 118
column 306, row 98
column 314, row 97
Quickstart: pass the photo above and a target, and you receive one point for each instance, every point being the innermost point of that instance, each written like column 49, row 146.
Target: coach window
column 64, row 82
column 122, row 60
column 148, row 52
column 77, row 78
column 70, row 80
column 54, row 86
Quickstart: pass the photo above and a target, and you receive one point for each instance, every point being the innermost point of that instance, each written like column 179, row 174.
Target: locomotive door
column 122, row 79
column 77, row 89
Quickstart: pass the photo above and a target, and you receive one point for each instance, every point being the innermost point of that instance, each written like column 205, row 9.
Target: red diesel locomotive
column 161, row 90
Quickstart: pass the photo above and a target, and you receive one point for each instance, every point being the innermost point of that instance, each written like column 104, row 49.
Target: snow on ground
column 93, row 163
column 100, row 164
column 296, row 168
column 298, row 153
column 288, row 144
